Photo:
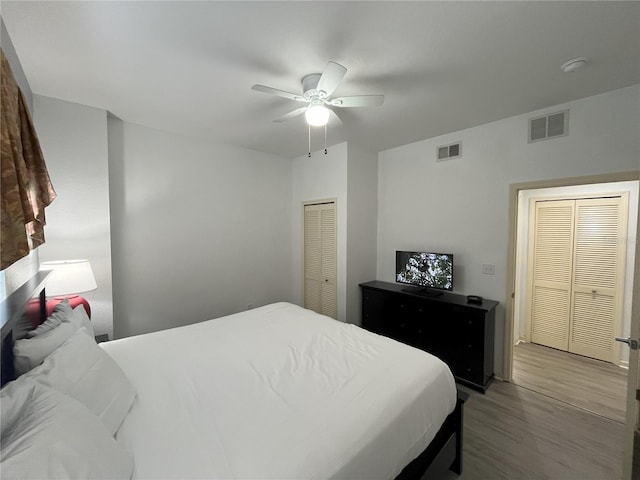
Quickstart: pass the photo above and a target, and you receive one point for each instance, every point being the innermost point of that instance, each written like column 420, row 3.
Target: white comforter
column 278, row 392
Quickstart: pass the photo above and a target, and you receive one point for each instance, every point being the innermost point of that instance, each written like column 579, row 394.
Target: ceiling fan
column 317, row 89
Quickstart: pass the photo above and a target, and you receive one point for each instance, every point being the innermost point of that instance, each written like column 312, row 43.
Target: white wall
column 460, row 206
column 362, row 225
column 199, row 229
column 73, row 138
column 320, row 177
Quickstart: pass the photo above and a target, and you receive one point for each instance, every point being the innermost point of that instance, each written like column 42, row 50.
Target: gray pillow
column 61, row 312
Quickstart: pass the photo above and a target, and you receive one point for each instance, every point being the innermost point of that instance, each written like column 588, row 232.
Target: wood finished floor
column 593, row 385
column 514, row 433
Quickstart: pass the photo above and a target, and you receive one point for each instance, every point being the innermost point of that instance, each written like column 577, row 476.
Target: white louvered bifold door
column 600, row 232
column 312, row 258
column 320, row 259
column 551, row 282
column 329, row 261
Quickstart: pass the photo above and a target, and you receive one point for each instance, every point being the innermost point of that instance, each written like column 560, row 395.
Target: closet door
column 320, row 259
column 600, row 233
column 551, row 258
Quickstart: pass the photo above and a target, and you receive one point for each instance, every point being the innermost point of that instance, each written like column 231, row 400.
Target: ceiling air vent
column 447, row 152
column 549, row 126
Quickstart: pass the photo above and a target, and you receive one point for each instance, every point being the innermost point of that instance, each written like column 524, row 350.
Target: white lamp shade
column 317, row 115
column 69, row 277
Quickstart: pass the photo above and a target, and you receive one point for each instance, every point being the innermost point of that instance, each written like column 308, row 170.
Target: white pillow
column 54, row 331
column 81, row 320
column 30, row 352
column 81, row 369
column 46, row 434
column 61, row 313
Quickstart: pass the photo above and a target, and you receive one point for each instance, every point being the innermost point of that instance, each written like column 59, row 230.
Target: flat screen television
column 430, row 272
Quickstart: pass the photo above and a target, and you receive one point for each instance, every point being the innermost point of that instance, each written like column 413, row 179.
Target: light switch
column 488, row 269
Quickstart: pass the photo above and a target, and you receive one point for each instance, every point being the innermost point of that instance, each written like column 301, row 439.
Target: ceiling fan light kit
column 317, row 115
column 317, row 89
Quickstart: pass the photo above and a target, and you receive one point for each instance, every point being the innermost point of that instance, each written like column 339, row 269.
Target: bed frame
column 444, row 452
column 26, row 308
column 20, row 312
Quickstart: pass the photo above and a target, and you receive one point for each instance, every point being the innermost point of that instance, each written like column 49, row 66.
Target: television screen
column 425, row 269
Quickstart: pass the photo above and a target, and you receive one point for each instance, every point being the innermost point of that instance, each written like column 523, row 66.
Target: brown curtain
column 26, row 187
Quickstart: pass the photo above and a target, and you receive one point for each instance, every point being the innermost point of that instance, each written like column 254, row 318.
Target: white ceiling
column 187, row 67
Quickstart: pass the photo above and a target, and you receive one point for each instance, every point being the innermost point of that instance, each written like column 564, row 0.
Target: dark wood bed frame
column 20, row 312
column 26, row 308
column 444, row 452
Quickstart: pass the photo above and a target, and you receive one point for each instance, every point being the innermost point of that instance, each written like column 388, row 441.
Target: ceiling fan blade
column 357, row 101
column 331, row 77
column 288, row 116
column 280, row 93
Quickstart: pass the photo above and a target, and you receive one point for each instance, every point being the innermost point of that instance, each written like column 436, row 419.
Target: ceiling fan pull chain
column 325, row 138
column 309, row 127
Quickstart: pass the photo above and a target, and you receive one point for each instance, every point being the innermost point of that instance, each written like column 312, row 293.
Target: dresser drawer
column 458, row 333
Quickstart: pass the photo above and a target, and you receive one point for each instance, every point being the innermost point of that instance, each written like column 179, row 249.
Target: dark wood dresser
column 447, row 326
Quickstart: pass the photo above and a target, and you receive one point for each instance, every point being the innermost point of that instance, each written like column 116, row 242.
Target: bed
column 274, row 392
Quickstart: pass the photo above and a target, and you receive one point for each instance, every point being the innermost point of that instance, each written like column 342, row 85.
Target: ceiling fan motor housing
column 309, row 84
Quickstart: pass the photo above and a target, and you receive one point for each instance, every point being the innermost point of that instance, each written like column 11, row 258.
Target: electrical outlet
column 488, row 269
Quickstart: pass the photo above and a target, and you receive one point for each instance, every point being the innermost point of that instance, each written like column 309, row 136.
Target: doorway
column 589, row 384
column 575, row 273
column 320, row 267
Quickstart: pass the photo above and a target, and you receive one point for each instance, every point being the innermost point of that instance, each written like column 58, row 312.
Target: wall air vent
column 447, row 152
column 549, row 126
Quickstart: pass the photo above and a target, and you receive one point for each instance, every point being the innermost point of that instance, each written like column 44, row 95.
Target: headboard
column 20, row 312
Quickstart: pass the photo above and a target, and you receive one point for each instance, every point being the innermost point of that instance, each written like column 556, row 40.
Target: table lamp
column 69, row 278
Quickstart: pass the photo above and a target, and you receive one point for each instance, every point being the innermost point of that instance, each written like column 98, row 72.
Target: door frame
column 514, row 190
column 631, row 456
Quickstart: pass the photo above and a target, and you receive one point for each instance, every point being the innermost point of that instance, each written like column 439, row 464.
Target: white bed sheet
column 278, row 392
